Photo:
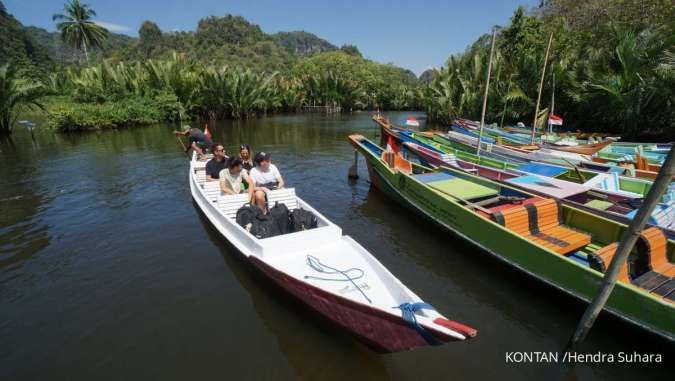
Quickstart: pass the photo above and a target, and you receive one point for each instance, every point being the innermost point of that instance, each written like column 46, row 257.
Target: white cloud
column 117, row 28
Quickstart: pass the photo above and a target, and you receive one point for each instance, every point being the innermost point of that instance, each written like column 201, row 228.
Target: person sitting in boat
column 245, row 156
column 234, row 178
column 217, row 164
column 264, row 177
column 198, row 140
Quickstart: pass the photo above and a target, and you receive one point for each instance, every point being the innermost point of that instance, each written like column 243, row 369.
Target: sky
column 415, row 35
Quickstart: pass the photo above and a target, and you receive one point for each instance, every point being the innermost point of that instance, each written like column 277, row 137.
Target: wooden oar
column 185, row 148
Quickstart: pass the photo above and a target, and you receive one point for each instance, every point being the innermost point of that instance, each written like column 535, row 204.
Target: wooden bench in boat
column 229, row 204
column 396, row 161
column 650, row 269
column 539, row 222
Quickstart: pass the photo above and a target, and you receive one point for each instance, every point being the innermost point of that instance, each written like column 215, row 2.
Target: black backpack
column 264, row 226
column 247, row 214
column 303, row 220
column 280, row 215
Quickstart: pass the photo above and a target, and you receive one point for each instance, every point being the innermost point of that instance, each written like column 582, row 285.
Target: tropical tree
column 14, row 94
column 77, row 27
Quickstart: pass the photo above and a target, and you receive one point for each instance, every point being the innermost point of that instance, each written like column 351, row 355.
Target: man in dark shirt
column 217, row 164
column 198, row 140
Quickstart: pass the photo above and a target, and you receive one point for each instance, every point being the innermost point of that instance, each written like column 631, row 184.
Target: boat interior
column 328, row 248
column 582, row 237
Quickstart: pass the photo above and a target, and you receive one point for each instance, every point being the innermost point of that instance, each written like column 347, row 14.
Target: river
column 108, row 271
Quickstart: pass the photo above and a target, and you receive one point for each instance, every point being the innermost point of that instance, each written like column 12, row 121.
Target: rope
column 408, row 314
column 317, row 266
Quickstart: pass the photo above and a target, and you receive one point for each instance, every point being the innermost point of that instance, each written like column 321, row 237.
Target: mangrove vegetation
column 611, row 66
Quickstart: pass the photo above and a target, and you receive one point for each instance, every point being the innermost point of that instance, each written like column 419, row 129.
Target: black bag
column 280, row 215
column 247, row 214
column 303, row 220
column 264, row 226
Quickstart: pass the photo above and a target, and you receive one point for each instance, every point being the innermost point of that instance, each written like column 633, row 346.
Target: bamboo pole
column 541, row 86
column 550, row 126
column 487, row 89
column 630, row 237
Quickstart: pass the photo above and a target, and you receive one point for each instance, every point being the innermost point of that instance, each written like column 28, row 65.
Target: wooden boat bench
column 539, row 222
column 650, row 269
column 230, row 204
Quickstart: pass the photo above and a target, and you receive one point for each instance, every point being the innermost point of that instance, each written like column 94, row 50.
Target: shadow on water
column 314, row 347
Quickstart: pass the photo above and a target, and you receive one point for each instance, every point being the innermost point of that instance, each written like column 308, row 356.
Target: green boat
column 557, row 244
column 626, row 186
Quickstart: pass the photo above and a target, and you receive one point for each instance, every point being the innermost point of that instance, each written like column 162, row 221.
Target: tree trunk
column 86, row 54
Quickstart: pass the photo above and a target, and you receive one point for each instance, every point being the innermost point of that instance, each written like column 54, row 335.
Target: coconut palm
column 14, row 94
column 77, row 28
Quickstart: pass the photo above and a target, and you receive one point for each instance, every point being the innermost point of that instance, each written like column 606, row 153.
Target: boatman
column 198, row 140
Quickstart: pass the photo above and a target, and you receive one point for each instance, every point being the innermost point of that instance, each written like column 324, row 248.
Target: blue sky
column 412, row 34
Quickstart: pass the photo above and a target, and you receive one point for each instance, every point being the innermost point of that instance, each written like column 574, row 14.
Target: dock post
column 630, row 237
column 353, row 170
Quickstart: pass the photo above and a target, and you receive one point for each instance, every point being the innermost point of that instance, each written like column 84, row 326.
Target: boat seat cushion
column 540, row 223
column 651, row 258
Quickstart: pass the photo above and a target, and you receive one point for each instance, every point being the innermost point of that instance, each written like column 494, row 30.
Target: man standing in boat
column 199, row 141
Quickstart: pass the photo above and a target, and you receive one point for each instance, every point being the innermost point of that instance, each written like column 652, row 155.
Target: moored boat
column 610, row 205
column 560, row 245
column 330, row 273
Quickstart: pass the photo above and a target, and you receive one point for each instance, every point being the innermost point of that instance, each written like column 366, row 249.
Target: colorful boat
column 330, row 273
column 612, row 183
column 607, row 204
column 560, row 245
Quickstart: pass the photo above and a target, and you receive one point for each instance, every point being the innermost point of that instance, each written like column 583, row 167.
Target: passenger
column 264, row 177
column 245, row 156
column 198, row 140
column 233, row 177
column 217, row 164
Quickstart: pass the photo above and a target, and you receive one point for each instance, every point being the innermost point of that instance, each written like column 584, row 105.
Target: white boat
column 329, row 272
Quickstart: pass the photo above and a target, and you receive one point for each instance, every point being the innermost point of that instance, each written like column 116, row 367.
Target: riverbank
column 64, row 114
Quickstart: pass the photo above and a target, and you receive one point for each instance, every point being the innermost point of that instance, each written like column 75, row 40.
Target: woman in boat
column 245, row 156
column 234, row 178
column 263, row 178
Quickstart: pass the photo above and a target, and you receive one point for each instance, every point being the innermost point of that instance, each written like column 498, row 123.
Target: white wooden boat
column 329, row 272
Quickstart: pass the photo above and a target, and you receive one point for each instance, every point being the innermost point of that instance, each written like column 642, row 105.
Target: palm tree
column 78, row 29
column 14, row 93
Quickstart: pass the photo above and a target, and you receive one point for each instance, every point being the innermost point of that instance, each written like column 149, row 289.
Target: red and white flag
column 555, row 120
column 207, row 132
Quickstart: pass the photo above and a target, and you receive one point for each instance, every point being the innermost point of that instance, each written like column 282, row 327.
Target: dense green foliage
column 612, row 62
column 15, row 93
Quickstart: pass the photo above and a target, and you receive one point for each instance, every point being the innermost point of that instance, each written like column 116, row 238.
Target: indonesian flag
column 207, row 132
column 555, row 120
column 391, row 146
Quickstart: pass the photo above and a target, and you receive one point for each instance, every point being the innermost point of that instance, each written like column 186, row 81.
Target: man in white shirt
column 263, row 178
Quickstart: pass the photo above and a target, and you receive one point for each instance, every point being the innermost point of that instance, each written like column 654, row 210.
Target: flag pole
column 541, row 86
column 487, row 88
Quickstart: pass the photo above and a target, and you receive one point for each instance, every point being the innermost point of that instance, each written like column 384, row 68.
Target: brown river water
column 108, row 271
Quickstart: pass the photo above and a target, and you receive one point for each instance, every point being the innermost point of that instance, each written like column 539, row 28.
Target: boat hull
column 382, row 332
column 626, row 302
